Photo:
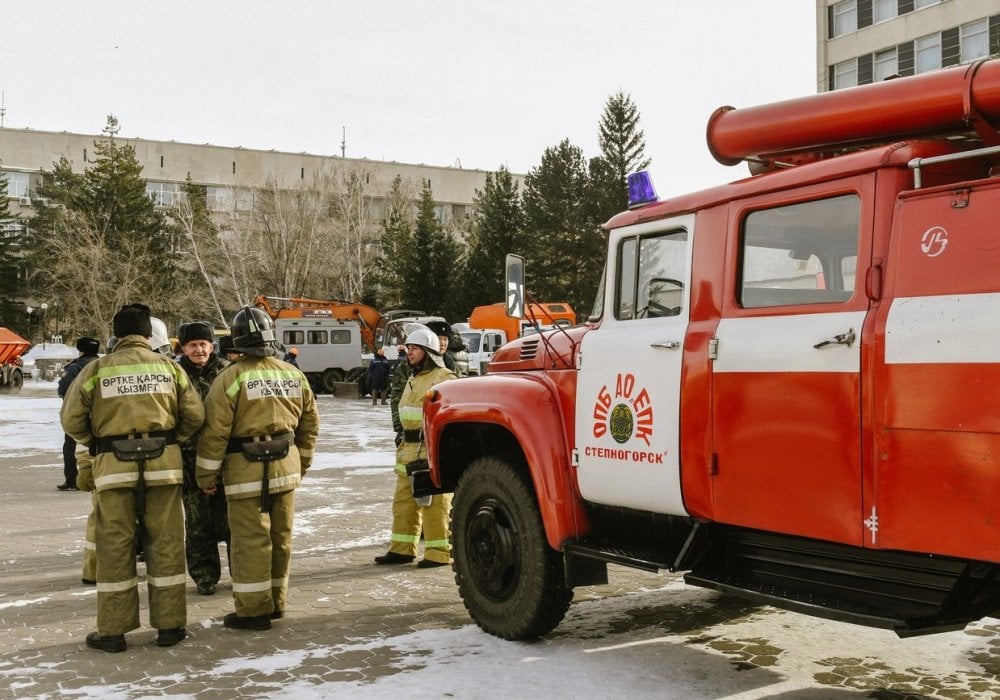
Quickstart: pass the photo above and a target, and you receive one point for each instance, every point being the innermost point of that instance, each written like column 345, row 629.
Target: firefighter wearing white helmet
column 260, row 432
column 132, row 408
column 423, row 353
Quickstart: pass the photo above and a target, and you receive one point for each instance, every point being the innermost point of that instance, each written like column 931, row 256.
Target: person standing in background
column 88, row 348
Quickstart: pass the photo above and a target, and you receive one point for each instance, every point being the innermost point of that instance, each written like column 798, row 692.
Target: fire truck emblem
column 934, row 241
column 626, row 413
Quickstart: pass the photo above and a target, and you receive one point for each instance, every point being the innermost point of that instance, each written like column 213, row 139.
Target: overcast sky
column 482, row 83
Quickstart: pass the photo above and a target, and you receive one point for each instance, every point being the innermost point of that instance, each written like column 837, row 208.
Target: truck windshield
column 598, row 310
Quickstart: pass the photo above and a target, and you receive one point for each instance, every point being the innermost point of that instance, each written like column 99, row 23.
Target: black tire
column 510, row 580
column 16, row 382
column 329, row 378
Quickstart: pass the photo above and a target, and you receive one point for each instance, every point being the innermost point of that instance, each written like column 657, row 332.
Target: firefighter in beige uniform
column 257, row 408
column 134, row 395
column 423, row 353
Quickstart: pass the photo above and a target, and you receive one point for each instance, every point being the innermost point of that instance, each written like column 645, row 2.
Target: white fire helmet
column 159, row 341
column 419, row 334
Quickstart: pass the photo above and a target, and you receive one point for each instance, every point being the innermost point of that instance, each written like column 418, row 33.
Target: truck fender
column 522, row 413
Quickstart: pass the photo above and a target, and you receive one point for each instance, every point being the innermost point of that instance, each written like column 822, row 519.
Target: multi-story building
column 865, row 41
column 231, row 175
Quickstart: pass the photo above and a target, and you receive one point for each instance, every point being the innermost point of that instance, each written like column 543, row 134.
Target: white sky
column 486, row 82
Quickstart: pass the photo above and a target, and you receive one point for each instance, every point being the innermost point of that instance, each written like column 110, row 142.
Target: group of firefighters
column 166, row 445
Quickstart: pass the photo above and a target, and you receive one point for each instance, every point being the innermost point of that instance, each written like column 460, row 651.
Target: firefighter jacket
column 411, row 414
column 201, row 378
column 255, row 398
column 132, row 391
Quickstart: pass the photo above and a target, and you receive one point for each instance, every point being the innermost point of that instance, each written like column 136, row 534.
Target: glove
column 399, row 438
column 85, row 479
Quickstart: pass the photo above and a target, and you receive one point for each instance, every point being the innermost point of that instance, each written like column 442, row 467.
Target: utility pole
column 343, row 143
column 3, row 110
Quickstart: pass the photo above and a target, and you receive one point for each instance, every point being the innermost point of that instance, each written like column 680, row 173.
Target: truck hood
column 552, row 349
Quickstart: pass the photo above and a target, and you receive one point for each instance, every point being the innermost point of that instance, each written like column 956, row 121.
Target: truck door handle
column 668, row 344
column 847, row 339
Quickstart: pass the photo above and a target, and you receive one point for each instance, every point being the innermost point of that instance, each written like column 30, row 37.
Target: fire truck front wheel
column 510, row 580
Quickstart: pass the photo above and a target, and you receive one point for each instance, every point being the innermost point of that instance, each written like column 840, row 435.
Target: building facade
column 231, row 175
column 866, row 41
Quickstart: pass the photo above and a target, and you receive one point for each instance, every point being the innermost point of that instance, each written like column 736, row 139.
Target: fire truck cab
column 788, row 388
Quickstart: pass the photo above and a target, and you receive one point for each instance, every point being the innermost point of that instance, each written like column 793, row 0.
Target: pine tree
column 623, row 151
column 497, row 229
column 566, row 252
column 395, row 246
column 421, row 288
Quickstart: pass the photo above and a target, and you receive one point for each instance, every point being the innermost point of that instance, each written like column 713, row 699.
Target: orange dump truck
column 12, row 346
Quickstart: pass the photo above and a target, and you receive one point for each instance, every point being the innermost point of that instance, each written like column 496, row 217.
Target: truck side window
column 651, row 274
column 340, row 337
column 289, row 338
column 317, row 337
column 802, row 253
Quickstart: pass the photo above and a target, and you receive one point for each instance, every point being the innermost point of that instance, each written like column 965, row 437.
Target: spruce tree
column 623, row 151
column 421, row 288
column 395, row 246
column 10, row 254
column 565, row 253
column 497, row 229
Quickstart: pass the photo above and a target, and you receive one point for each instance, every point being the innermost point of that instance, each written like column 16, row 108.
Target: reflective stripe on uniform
column 439, row 544
column 411, row 413
column 279, row 582
column 164, row 581
column 400, row 469
column 164, row 474
column 81, row 450
column 254, row 486
column 256, row 587
column 87, row 544
column 210, row 465
column 407, row 539
column 117, row 586
column 123, row 478
column 305, row 453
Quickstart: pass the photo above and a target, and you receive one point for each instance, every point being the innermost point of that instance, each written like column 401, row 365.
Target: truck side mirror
column 515, row 286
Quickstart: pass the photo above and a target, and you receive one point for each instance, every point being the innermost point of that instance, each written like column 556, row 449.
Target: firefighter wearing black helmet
column 260, row 432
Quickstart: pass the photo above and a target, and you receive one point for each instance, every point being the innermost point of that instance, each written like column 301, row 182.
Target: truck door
column 786, row 406
column 937, row 487
column 628, row 387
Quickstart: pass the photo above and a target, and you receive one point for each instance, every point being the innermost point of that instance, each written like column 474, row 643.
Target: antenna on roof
column 3, row 110
column 343, row 143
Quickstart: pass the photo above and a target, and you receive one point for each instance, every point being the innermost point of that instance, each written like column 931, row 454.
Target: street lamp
column 29, row 310
column 45, row 323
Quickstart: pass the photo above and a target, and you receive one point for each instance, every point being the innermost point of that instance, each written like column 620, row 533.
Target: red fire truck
column 790, row 389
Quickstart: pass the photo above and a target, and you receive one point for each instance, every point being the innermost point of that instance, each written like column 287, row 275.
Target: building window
column 845, row 17
column 883, row 10
column 975, row 40
column 845, row 74
column 17, row 184
column 927, row 53
column 919, row 4
column 886, row 64
column 163, row 194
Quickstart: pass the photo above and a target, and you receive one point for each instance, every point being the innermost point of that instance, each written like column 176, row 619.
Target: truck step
column 636, row 559
column 905, row 592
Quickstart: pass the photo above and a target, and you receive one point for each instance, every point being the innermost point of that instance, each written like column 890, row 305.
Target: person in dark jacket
column 205, row 516
column 88, row 348
column 378, row 375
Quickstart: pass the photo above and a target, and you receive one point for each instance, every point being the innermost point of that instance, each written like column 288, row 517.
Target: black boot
column 112, row 643
column 167, row 638
column 235, row 622
column 393, row 558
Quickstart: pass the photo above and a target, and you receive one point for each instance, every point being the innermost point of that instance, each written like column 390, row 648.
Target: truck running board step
column 908, row 593
column 645, row 560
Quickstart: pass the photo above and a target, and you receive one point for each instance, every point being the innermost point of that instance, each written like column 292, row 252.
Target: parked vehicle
column 12, row 346
column 788, row 389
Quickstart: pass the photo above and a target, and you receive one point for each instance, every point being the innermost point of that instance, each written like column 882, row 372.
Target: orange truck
column 12, row 346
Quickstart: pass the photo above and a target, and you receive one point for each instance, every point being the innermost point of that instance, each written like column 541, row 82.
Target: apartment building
column 865, row 41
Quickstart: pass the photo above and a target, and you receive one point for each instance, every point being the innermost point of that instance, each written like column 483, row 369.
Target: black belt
column 236, row 444
column 103, row 444
column 413, row 435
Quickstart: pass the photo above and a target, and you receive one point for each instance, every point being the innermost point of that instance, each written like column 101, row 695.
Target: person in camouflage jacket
column 205, row 516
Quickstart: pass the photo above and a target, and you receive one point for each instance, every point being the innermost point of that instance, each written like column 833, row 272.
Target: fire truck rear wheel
column 13, row 386
column 510, row 580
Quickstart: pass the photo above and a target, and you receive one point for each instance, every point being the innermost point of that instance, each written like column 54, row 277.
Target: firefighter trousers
column 90, row 543
column 408, row 518
column 116, row 529
column 262, row 553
